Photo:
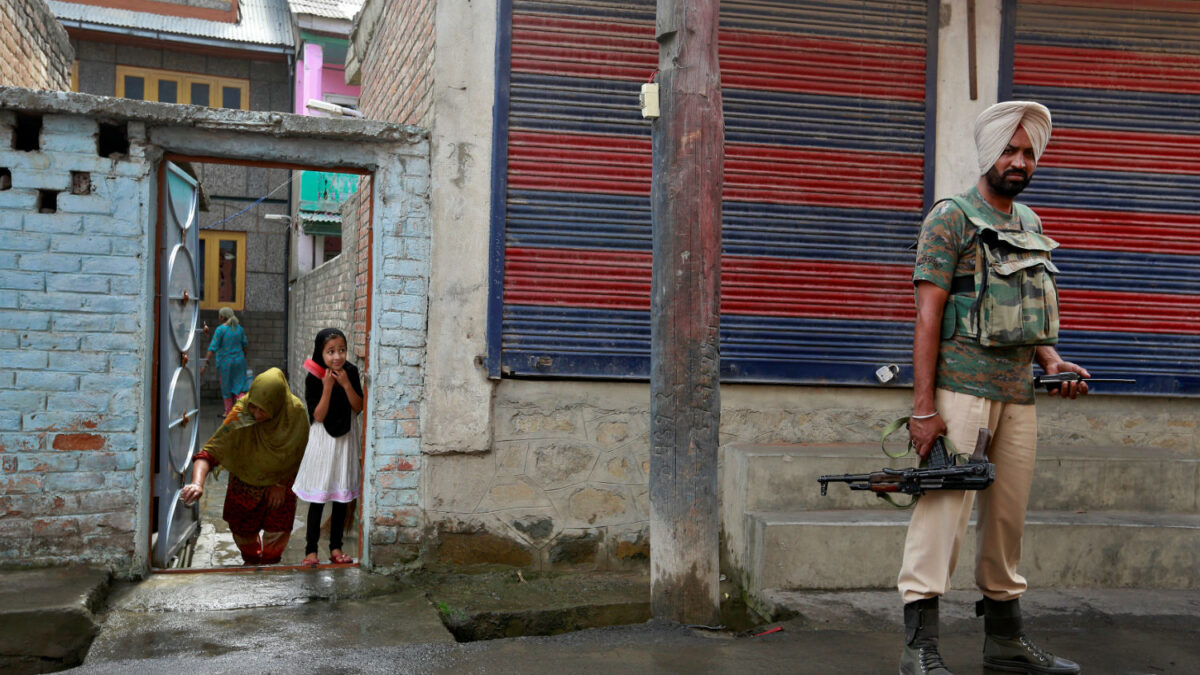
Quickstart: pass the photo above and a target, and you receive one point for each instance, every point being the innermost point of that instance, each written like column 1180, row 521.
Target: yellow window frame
column 184, row 81
column 211, row 240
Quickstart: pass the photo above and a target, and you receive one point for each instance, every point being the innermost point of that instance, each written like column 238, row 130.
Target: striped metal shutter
column 825, row 185
column 1119, row 185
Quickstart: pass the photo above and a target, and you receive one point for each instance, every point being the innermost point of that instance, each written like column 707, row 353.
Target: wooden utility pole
column 685, row 407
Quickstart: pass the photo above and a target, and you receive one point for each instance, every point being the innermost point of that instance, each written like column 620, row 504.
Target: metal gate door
column 178, row 384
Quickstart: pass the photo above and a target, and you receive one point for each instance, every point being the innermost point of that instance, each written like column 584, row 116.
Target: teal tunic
column 228, row 343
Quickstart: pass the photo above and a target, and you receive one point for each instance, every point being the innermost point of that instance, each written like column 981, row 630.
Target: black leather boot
column 1007, row 648
column 920, row 656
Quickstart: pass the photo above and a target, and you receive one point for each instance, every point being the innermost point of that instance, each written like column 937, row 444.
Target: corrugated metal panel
column 261, row 22
column 1119, row 185
column 824, row 173
column 331, row 9
column 323, row 224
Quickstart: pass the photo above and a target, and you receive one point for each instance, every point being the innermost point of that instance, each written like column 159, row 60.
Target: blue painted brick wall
column 401, row 269
column 72, row 349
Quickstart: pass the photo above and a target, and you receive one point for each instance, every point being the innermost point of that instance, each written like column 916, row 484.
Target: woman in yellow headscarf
column 261, row 444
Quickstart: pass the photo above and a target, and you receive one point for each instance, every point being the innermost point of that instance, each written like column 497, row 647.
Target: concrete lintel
column 277, row 124
column 330, row 153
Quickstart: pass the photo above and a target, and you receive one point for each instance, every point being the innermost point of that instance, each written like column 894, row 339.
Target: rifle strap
column 895, row 426
column 890, row 429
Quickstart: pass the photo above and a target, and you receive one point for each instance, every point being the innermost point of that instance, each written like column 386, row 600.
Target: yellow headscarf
column 263, row 453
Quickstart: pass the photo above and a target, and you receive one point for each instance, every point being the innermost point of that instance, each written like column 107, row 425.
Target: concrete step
column 185, row 618
column 48, row 616
column 833, row 550
column 784, row 478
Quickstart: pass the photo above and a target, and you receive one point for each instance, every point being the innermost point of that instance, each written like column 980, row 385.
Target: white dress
column 330, row 470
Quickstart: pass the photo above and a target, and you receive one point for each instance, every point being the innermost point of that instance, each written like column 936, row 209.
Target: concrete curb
column 1062, row 609
column 47, row 615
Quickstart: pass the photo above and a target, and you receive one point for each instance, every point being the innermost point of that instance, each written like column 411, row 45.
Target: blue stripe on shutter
column 825, row 138
column 1119, row 185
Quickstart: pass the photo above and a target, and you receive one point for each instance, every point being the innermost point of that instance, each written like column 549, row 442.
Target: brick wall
column 34, row 49
column 72, row 339
column 399, row 311
column 396, row 76
column 324, row 298
column 397, row 70
column 360, row 208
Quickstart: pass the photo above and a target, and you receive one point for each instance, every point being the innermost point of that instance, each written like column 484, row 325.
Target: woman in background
column 229, row 344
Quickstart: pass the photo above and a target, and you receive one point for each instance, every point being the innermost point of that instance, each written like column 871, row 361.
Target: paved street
column 346, row 620
column 652, row 648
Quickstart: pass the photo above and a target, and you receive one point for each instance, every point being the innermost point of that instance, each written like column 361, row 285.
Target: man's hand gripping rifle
column 943, row 471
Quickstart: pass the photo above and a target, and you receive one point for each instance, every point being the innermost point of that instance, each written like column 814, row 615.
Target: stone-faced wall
column 77, row 320
column 74, row 334
column 566, row 483
column 34, row 49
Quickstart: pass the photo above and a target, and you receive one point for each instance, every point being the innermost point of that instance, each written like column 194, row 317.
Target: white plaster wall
column 957, row 167
column 457, row 412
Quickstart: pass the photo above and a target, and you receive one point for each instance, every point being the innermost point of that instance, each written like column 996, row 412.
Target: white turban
column 995, row 128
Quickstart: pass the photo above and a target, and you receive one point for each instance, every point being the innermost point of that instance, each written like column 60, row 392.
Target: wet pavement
column 667, row 648
column 350, row 621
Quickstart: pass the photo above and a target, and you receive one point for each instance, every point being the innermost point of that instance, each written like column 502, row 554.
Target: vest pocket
column 1019, row 301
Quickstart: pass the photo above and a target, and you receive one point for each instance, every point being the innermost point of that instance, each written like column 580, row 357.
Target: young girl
column 330, row 470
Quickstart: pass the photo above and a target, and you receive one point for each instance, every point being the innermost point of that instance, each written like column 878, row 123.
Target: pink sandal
column 340, row 559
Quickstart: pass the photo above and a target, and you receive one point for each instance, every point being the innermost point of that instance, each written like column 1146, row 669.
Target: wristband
column 924, row 417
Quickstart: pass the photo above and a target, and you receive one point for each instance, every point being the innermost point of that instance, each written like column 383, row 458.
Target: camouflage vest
column 1013, row 300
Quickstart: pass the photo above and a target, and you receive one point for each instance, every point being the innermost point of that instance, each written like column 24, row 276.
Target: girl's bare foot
column 310, row 560
column 337, row 557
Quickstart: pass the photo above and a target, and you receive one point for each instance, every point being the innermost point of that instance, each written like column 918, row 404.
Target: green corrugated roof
column 321, row 224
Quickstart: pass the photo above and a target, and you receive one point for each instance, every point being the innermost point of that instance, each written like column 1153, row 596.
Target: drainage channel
column 506, row 604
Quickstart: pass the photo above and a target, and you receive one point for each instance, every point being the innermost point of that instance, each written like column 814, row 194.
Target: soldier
column 987, row 307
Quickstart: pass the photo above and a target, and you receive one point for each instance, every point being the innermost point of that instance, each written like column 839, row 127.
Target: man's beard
column 1004, row 187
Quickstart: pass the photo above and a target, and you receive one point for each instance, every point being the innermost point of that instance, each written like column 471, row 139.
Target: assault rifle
column 941, row 472
column 1053, row 381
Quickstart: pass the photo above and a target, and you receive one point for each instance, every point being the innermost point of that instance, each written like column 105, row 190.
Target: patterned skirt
column 247, row 512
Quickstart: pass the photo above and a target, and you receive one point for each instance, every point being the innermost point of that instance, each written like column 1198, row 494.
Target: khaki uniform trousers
column 940, row 518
